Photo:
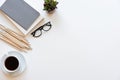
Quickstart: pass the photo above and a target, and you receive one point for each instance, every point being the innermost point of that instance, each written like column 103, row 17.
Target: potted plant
column 50, row 5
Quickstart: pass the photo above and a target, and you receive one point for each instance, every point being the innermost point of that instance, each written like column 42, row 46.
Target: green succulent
column 50, row 5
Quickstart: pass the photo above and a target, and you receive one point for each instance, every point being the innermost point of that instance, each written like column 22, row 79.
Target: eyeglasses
column 38, row 32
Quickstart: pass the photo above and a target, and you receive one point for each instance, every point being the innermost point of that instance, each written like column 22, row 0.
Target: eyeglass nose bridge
column 41, row 28
column 33, row 34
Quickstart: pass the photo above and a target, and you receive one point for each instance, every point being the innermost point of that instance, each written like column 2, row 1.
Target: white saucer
column 22, row 63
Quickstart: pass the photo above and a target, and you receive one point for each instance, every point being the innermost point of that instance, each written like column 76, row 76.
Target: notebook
column 21, row 14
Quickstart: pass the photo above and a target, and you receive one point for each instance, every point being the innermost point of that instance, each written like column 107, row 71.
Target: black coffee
column 11, row 63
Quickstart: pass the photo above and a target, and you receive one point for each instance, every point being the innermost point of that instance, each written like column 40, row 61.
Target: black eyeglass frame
column 48, row 24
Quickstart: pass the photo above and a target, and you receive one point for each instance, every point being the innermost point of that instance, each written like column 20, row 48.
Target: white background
column 83, row 44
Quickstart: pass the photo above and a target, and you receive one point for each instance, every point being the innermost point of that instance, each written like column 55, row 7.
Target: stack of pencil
column 14, row 39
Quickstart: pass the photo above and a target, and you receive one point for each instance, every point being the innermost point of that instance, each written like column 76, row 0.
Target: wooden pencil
column 12, row 33
column 14, row 40
column 11, row 43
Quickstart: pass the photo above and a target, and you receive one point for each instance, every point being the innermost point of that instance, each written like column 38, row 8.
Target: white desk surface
column 83, row 44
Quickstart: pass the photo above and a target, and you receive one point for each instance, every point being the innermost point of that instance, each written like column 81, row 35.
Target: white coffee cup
column 13, row 63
